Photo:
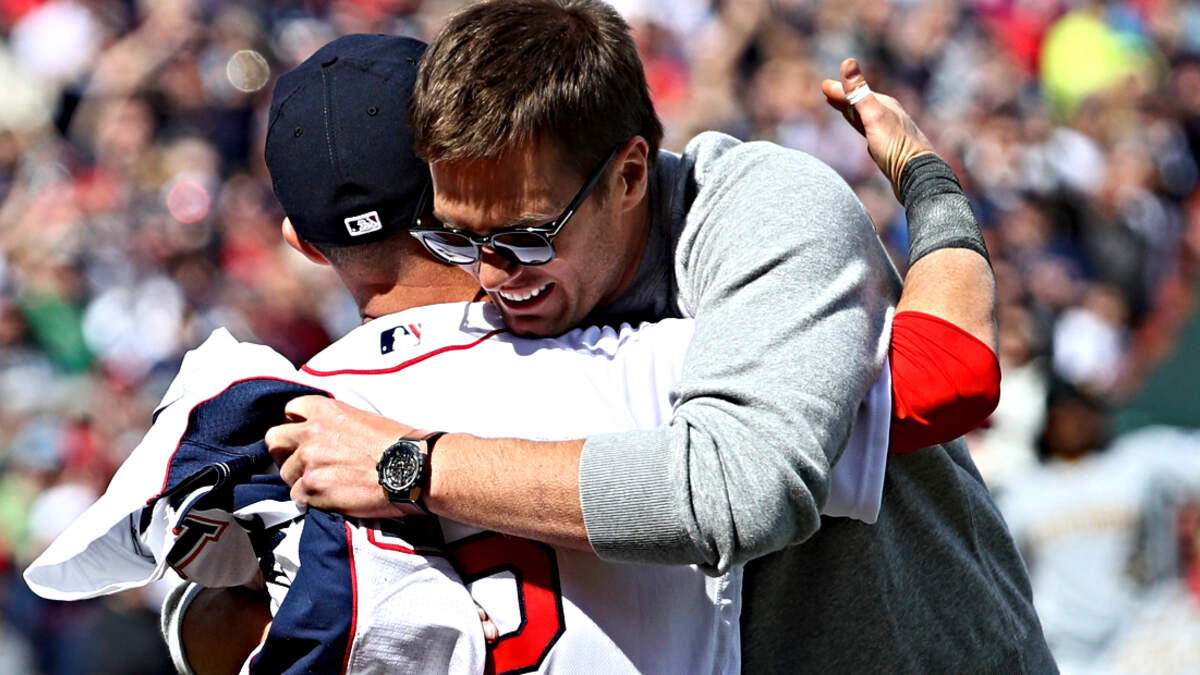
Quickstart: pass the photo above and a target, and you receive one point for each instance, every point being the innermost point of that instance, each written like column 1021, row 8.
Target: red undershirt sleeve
column 945, row 381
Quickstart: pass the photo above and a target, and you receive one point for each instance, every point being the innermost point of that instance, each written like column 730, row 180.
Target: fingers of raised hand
column 836, row 98
column 878, row 115
column 853, row 82
column 834, row 94
column 871, row 108
column 304, row 458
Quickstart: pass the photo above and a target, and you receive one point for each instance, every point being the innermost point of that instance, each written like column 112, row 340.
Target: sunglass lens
column 450, row 247
column 526, row 248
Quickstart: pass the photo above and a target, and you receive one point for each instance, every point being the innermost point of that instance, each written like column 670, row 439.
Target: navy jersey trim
column 312, row 630
column 231, row 425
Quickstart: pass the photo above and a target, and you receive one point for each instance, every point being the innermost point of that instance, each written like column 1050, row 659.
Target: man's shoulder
column 718, row 160
column 765, row 189
column 725, row 204
column 772, row 195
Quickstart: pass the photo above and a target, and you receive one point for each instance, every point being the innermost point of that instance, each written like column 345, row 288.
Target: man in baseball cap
column 342, row 163
column 338, row 145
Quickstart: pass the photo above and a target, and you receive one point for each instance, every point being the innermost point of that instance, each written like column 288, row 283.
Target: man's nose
column 495, row 269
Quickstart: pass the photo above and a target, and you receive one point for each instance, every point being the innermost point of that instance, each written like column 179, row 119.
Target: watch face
column 401, row 467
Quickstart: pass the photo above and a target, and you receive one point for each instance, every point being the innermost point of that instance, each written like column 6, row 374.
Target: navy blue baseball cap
column 339, row 148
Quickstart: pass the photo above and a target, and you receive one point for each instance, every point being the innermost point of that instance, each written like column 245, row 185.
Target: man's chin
column 535, row 327
column 546, row 323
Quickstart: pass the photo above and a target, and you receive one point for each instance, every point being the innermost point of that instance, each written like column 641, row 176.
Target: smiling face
column 596, row 253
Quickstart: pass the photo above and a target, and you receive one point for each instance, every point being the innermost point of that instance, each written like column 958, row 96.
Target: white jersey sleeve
column 117, row 544
column 199, row 495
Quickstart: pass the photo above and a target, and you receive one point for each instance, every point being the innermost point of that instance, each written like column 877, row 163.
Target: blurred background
column 136, row 216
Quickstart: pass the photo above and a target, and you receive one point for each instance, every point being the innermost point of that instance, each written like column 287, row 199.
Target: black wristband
column 927, row 175
column 939, row 214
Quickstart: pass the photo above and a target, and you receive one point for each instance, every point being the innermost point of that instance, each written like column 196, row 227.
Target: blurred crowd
column 136, row 216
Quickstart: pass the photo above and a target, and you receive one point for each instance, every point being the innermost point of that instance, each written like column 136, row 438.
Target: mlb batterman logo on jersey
column 364, row 223
column 401, row 336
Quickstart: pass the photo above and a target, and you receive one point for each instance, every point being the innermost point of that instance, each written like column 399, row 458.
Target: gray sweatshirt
column 793, row 294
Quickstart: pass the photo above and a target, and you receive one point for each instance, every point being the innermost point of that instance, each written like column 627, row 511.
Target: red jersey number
column 535, row 568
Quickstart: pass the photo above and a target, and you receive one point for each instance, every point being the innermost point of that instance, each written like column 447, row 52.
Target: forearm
column 949, row 275
column 515, row 486
column 947, row 259
column 957, row 285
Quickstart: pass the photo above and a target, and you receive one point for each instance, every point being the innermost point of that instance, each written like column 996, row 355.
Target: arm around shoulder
column 791, row 291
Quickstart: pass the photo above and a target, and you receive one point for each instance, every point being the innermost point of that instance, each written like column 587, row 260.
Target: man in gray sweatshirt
column 769, row 250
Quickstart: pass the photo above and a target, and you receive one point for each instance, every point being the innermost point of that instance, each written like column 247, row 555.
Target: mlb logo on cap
column 365, row 223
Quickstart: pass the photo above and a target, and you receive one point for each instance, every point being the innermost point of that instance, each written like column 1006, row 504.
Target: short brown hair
column 504, row 73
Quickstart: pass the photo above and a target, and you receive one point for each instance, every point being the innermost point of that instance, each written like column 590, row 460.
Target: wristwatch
column 404, row 468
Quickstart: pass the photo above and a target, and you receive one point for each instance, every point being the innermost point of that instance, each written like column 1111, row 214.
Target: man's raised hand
column 892, row 137
column 328, row 453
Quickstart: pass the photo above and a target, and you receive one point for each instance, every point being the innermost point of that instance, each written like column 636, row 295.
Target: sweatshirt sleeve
column 792, row 296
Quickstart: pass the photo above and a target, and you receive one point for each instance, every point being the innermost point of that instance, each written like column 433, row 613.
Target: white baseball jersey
column 372, row 595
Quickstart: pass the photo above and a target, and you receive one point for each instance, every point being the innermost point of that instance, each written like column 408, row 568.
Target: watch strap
column 430, row 438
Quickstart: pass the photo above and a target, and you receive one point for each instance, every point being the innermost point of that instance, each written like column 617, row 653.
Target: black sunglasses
column 533, row 245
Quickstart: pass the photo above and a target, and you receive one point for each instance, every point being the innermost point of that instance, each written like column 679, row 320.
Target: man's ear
column 632, row 173
column 293, row 239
